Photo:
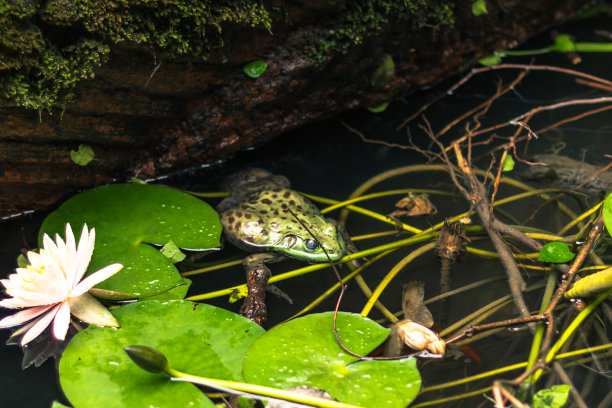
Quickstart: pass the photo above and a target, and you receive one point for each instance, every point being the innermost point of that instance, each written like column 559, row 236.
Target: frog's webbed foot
column 254, row 306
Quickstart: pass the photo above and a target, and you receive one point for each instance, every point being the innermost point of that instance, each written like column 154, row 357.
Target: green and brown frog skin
column 259, row 216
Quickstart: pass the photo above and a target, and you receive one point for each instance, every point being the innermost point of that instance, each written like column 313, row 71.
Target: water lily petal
column 61, row 321
column 40, row 325
column 95, row 278
column 83, row 254
column 23, row 316
column 89, row 310
column 23, row 298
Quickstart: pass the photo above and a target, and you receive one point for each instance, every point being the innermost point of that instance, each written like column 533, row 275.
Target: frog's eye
column 310, row 245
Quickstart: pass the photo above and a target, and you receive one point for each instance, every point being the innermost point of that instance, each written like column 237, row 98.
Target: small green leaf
column 136, row 180
column 172, row 252
column 378, row 108
column 255, row 69
column 479, row 7
column 383, row 74
column 564, row 43
column 508, row 163
column 22, row 261
column 490, row 60
column 553, row 397
column 83, row 155
column 607, row 213
column 556, row 252
column 238, row 293
column 57, row 404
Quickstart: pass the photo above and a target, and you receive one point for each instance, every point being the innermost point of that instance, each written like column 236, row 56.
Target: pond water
column 330, row 160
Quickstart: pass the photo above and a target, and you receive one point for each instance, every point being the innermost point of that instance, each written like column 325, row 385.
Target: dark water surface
column 327, row 159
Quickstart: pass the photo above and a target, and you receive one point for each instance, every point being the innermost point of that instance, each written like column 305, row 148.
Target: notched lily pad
column 304, row 351
column 556, row 252
column 200, row 339
column 129, row 219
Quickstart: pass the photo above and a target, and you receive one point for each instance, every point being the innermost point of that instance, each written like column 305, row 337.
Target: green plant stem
column 212, row 268
column 580, row 218
column 380, row 194
column 392, row 273
column 366, row 212
column 259, row 390
column 311, row 268
column 335, row 287
column 551, row 283
column 469, row 318
column 571, row 329
column 502, row 370
column 453, row 398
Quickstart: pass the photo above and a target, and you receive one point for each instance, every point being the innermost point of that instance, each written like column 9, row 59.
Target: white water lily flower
column 50, row 288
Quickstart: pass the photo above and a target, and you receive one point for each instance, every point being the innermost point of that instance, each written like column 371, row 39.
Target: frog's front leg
column 254, row 306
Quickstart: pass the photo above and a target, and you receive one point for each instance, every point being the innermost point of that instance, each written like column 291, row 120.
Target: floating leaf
column 508, row 163
column 564, row 43
column 490, row 60
column 607, row 213
column 553, row 397
column 384, row 72
column 172, row 252
column 255, row 69
column 381, row 107
column 22, row 261
column 479, row 7
column 591, row 285
column 304, row 351
column 83, row 155
column 200, row 339
column 556, row 252
column 128, row 219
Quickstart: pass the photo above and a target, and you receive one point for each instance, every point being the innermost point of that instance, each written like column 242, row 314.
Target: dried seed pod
column 591, row 285
column 419, row 337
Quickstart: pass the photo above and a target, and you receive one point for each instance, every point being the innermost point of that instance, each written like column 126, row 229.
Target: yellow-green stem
column 394, row 271
column 259, row 390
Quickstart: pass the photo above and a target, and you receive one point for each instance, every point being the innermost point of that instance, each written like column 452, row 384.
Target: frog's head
column 302, row 246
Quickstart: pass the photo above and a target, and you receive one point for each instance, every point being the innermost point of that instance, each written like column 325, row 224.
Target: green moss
column 46, row 47
column 361, row 19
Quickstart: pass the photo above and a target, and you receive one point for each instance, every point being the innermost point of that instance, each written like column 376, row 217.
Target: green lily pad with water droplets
column 304, row 351
column 198, row 339
column 130, row 219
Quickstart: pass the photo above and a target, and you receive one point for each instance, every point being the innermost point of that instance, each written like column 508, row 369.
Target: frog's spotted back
column 260, row 215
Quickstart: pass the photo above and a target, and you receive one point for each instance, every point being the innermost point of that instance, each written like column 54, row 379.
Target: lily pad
column 128, row 218
column 304, row 351
column 198, row 339
column 556, row 252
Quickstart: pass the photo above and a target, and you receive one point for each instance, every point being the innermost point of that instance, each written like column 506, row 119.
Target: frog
column 264, row 216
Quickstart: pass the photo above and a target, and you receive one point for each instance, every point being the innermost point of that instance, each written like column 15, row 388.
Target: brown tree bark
column 145, row 120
